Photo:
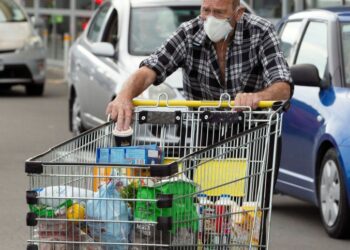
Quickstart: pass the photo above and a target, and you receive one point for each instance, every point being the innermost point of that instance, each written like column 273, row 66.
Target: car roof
column 342, row 13
column 165, row 2
column 144, row 3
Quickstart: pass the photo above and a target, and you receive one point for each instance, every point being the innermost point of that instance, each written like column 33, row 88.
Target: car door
column 88, row 62
column 106, row 71
column 302, row 123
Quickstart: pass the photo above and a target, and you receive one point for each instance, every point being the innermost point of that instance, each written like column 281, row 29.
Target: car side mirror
column 103, row 49
column 38, row 23
column 305, row 75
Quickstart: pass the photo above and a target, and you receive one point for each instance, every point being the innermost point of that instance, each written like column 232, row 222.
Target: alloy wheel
column 330, row 192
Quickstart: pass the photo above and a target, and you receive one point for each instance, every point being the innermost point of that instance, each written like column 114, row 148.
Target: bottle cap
column 202, row 195
column 225, row 196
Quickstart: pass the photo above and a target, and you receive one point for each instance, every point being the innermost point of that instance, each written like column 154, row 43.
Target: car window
column 10, row 12
column 96, row 24
column 110, row 34
column 346, row 51
column 313, row 48
column 289, row 36
column 151, row 26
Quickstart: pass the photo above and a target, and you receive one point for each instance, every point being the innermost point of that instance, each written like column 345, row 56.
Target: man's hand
column 275, row 92
column 121, row 110
column 248, row 99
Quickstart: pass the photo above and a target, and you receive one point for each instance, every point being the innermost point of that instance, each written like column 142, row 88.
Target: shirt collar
column 200, row 38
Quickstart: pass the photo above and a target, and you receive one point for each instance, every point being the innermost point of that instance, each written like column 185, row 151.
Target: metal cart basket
column 197, row 175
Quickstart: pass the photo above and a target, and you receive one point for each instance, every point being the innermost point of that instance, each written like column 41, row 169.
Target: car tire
column 76, row 121
column 35, row 89
column 333, row 203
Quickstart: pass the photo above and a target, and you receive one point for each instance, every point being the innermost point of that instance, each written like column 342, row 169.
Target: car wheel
column 77, row 124
column 35, row 89
column 332, row 196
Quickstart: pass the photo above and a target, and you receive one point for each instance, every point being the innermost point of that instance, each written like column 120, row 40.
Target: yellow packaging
column 101, row 175
column 250, row 223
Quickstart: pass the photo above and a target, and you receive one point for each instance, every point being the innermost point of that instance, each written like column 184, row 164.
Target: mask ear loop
column 229, row 21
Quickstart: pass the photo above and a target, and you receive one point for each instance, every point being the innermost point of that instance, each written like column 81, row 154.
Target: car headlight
column 32, row 42
column 153, row 92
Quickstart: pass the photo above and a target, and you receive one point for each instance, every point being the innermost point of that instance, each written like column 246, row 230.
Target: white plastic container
column 55, row 195
column 205, row 208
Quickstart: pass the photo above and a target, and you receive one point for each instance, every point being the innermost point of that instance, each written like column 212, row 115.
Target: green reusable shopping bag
column 183, row 210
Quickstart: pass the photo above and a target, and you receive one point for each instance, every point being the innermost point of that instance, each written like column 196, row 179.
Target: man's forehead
column 217, row 2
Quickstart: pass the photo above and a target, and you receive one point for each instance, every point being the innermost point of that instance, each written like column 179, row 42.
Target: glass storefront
column 28, row 3
column 80, row 23
column 72, row 16
column 57, row 26
column 57, row 4
column 60, row 17
column 87, row 4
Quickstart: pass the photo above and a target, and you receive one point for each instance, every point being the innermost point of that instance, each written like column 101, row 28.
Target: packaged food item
column 223, row 210
column 45, row 211
column 76, row 212
column 205, row 207
column 101, row 174
column 252, row 219
column 247, row 223
column 59, row 235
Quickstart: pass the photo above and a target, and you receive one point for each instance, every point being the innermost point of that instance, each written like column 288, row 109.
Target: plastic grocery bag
column 107, row 205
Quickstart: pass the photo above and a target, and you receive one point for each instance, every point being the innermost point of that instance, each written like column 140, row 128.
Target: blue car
column 315, row 160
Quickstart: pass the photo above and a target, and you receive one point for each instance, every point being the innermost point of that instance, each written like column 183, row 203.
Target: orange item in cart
column 101, row 175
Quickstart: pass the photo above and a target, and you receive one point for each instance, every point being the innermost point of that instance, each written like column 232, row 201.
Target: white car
column 22, row 53
column 119, row 36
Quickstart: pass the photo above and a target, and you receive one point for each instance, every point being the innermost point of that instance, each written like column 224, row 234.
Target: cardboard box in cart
column 148, row 154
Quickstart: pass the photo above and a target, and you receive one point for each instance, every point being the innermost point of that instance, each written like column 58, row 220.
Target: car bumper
column 23, row 66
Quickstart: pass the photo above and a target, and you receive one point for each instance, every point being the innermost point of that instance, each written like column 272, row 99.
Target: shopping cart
column 200, row 178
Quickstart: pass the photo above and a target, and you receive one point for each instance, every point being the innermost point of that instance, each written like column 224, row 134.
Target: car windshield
column 10, row 12
column 151, row 26
column 346, row 50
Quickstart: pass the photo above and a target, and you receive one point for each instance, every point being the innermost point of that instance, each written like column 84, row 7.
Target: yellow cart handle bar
column 197, row 104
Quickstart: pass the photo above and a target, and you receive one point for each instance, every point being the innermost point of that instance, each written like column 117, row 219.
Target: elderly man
column 224, row 50
column 221, row 51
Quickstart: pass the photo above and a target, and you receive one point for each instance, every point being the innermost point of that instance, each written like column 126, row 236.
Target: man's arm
column 121, row 108
column 277, row 91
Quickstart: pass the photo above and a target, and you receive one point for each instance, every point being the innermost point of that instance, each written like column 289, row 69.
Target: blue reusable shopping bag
column 107, row 205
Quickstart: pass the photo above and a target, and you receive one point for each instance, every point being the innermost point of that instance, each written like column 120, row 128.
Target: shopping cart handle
column 196, row 104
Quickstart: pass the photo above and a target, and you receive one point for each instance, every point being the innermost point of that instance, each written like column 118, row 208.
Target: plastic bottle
column 222, row 207
column 208, row 227
column 202, row 200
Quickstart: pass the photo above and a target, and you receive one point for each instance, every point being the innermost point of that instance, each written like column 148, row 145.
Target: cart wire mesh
column 208, row 185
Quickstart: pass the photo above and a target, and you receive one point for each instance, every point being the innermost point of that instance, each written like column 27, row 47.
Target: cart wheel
column 333, row 202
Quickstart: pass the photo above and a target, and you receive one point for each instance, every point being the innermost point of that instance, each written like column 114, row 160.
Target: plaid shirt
column 254, row 59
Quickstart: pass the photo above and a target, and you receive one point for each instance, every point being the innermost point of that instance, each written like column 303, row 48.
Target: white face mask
column 217, row 29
